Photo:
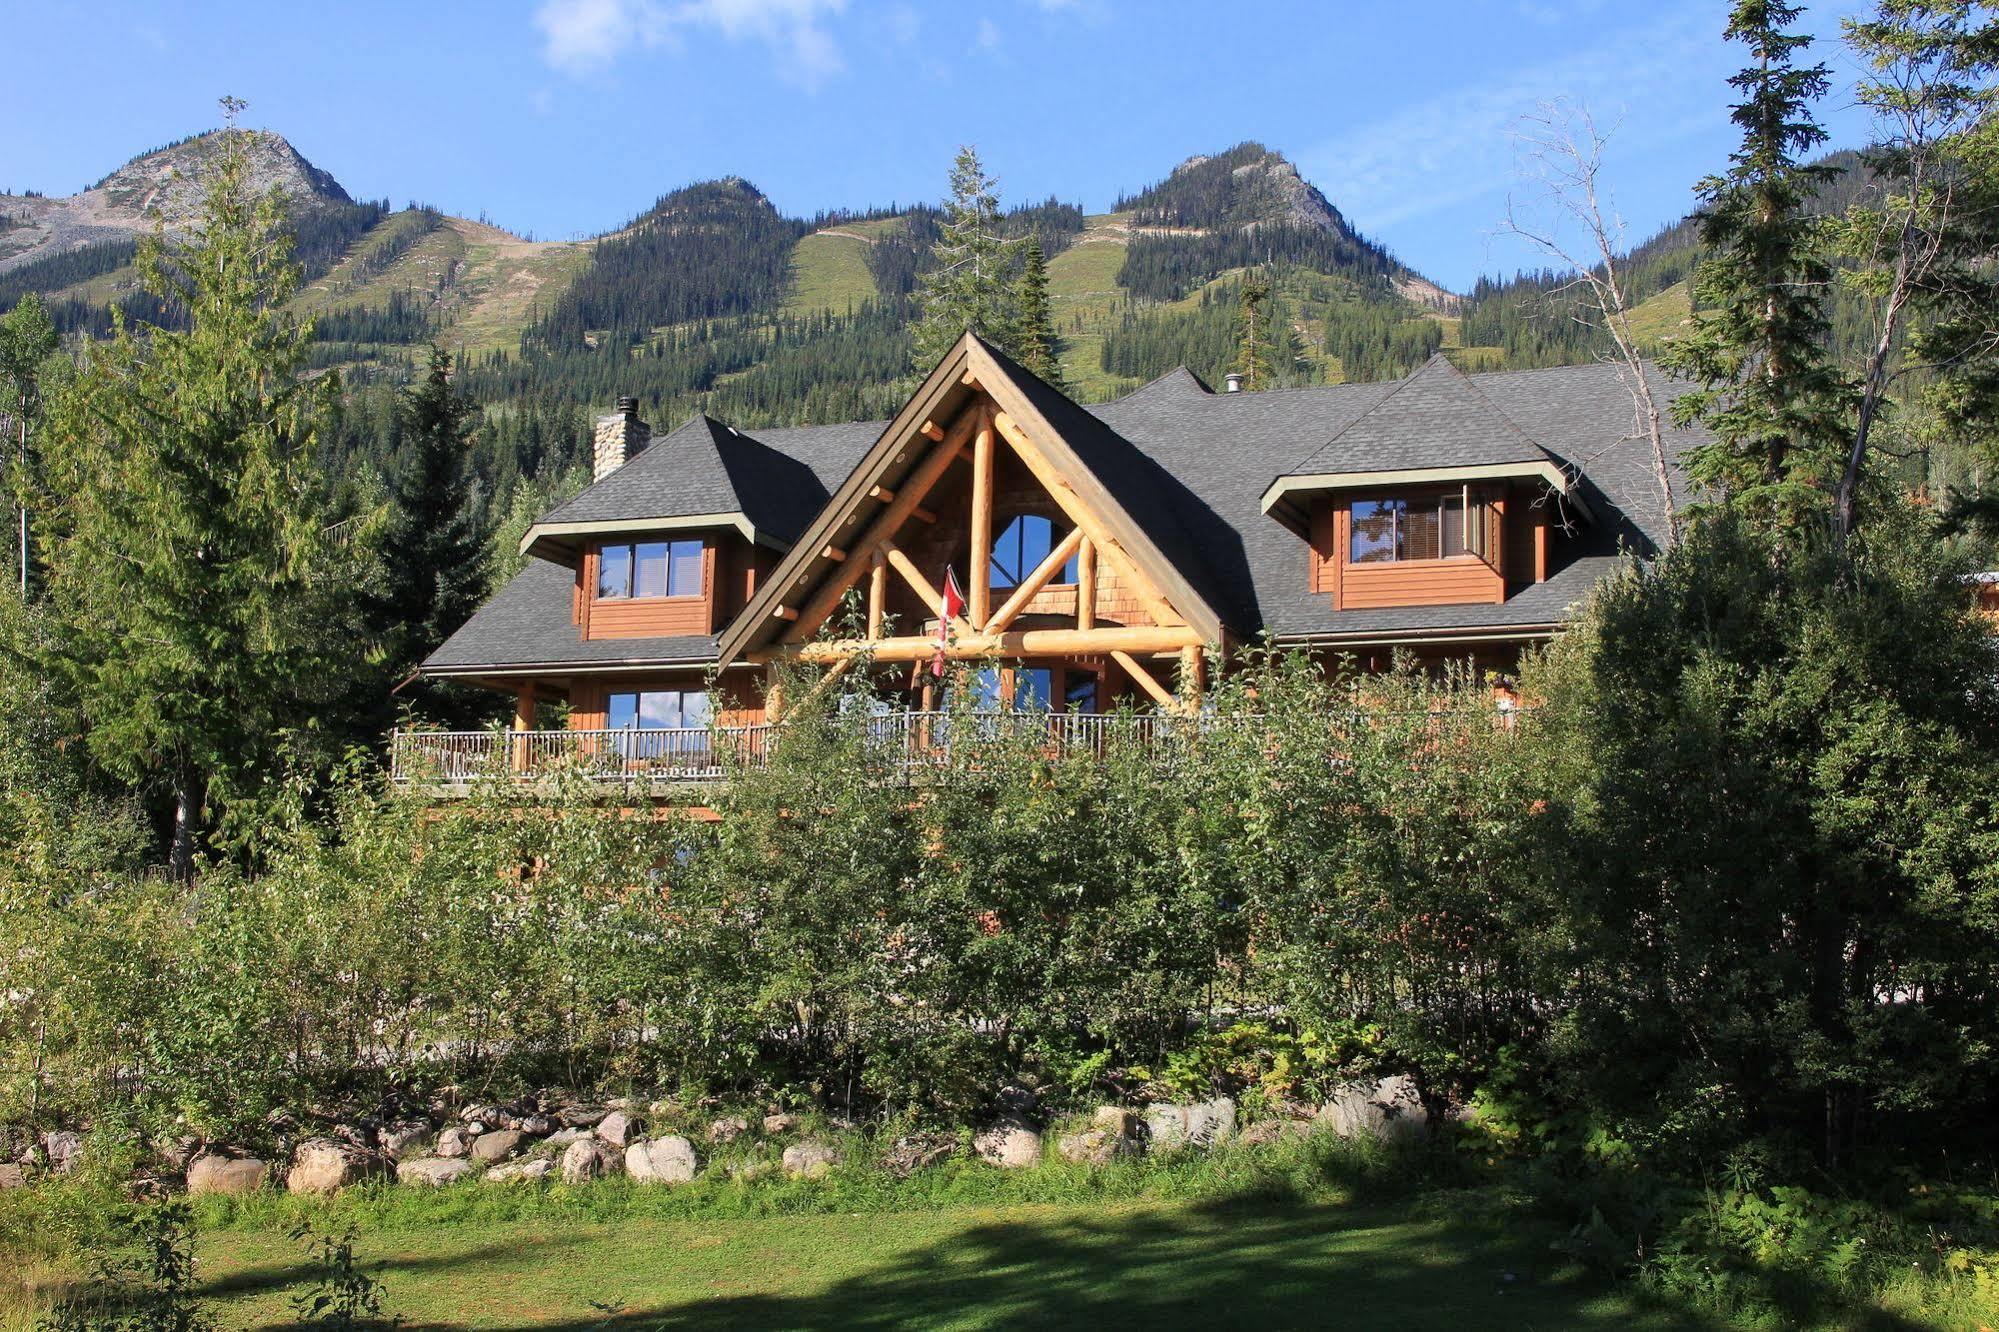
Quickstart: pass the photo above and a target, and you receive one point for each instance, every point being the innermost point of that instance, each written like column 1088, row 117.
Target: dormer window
column 1022, row 546
column 649, row 569
column 1396, row 529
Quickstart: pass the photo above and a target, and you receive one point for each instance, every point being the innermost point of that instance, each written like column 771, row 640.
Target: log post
column 877, row 592
column 517, row 758
column 980, row 594
column 1193, row 677
column 1086, row 585
column 773, row 693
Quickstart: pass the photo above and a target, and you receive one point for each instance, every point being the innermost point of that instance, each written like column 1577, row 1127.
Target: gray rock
column 432, row 1171
column 587, row 1159
column 328, row 1165
column 1009, row 1146
column 537, row 1126
column 65, row 1150
column 219, row 1172
column 488, row 1115
column 810, row 1160
column 1199, row 1124
column 1116, row 1121
column 12, row 1177
column 1389, row 1110
column 778, row 1125
column 581, row 1116
column 497, row 1145
column 619, row 1129
column 668, row 1160
column 728, row 1128
column 1017, row 1102
column 520, row 1171
column 403, row 1138
column 563, row 1137
column 455, row 1142
column 1092, row 1146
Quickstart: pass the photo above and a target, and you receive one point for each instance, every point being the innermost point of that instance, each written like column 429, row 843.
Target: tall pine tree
column 1036, row 344
column 970, row 285
column 1252, row 358
column 1767, row 389
column 203, row 610
column 27, row 349
column 433, row 546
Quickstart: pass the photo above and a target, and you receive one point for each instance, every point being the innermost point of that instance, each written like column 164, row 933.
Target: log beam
column 921, row 586
column 922, row 479
column 877, row 592
column 979, row 596
column 1019, row 643
column 1086, row 584
column 1144, row 678
column 1043, row 574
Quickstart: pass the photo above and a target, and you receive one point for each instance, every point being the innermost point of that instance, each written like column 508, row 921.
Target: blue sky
column 566, row 117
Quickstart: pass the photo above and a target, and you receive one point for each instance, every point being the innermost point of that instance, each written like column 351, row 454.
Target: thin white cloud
column 1455, row 147
column 988, row 35
column 585, row 37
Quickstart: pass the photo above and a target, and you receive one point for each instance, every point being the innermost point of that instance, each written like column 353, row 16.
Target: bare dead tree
column 1558, row 154
column 1927, row 93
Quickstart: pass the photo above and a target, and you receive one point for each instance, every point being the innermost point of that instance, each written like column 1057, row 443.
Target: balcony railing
column 912, row 742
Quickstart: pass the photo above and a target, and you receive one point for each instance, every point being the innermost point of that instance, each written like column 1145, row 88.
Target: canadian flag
column 949, row 607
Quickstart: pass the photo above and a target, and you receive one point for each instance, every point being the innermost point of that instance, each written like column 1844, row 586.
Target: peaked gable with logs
column 1104, row 553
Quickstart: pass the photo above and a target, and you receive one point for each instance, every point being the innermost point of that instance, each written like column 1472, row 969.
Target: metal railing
column 910, row 741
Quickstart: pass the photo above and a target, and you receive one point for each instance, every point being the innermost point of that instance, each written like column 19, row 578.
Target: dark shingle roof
column 778, row 479
column 1434, row 418
column 526, row 623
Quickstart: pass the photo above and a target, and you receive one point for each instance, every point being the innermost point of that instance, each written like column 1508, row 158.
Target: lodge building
column 1104, row 552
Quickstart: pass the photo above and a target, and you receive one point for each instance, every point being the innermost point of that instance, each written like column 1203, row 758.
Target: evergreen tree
column 1767, row 389
column 1037, row 345
column 1252, row 359
column 27, row 342
column 203, row 618
column 970, row 288
column 433, row 548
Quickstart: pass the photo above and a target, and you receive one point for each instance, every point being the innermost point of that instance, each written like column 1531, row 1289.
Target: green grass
column 1129, row 1265
column 829, row 272
column 1654, row 319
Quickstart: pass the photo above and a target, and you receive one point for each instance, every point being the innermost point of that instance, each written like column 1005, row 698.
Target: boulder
column 1113, row 1132
column 455, row 1142
column 12, row 1177
column 403, row 1138
column 668, row 1160
column 1009, row 1146
column 619, row 1129
column 581, row 1116
column 497, row 1145
column 728, row 1128
column 65, row 1150
column 587, row 1159
column 563, row 1137
column 433, row 1171
column 1387, row 1109
column 810, row 1160
column 1198, row 1124
column 1017, row 1102
column 909, row 1155
column 537, row 1126
column 221, row 1172
column 778, row 1125
column 520, row 1171
column 328, row 1165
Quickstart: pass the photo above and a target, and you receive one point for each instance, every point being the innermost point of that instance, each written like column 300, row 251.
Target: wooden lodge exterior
column 1104, row 552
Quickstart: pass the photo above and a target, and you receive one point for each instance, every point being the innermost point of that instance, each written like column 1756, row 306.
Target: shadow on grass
column 1216, row 1266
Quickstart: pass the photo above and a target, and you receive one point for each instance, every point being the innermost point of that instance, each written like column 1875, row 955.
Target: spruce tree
column 433, row 548
column 1252, row 358
column 969, row 288
column 1757, row 350
column 28, row 342
column 203, row 612
column 1036, row 345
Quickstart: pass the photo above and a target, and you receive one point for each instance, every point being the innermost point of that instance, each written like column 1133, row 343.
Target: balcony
column 912, row 741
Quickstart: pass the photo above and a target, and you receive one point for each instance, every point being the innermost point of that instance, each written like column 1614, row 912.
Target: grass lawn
column 1416, row 1264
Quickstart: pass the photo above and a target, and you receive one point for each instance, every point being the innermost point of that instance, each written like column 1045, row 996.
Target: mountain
column 167, row 183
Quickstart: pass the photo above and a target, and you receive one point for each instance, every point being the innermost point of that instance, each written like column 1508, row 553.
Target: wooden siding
column 1420, row 583
column 1445, row 582
column 644, row 617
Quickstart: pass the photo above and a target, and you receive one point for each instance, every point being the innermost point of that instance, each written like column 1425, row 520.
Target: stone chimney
column 620, row 437
column 1231, row 383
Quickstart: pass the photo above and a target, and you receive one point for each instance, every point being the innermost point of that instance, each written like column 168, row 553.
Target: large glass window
column 1437, row 527
column 672, row 710
column 1021, row 547
column 1033, row 689
column 650, row 569
column 1080, row 693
